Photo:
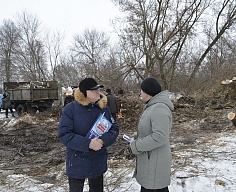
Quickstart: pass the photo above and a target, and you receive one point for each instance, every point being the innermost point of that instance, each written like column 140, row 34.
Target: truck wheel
column 20, row 109
column 31, row 110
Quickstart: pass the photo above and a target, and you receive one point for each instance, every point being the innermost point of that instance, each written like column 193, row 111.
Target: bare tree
column 30, row 51
column 159, row 29
column 9, row 38
column 111, row 69
column 67, row 73
column 90, row 51
column 161, row 34
column 225, row 19
column 53, row 46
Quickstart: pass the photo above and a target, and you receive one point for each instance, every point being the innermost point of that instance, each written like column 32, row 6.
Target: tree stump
column 232, row 117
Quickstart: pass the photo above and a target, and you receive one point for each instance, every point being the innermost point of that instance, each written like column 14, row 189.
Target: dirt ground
column 29, row 145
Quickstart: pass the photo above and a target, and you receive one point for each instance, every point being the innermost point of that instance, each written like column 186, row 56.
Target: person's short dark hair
column 108, row 90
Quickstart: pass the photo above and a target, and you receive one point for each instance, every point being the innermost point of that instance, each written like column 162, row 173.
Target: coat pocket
column 149, row 154
column 71, row 159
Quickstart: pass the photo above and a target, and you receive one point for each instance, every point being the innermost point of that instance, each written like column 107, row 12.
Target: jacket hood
column 81, row 99
column 162, row 97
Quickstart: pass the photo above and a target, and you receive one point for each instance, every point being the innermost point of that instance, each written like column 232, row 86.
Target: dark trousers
column 95, row 184
column 154, row 190
column 6, row 111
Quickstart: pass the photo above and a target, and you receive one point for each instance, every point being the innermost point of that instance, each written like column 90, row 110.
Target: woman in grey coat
column 151, row 145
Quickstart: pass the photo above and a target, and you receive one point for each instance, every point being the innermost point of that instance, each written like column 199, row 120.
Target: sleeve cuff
column 134, row 148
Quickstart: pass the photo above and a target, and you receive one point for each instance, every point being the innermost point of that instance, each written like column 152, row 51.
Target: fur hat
column 88, row 84
column 151, row 86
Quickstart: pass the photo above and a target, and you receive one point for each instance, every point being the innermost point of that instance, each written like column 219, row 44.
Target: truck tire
column 20, row 109
column 32, row 110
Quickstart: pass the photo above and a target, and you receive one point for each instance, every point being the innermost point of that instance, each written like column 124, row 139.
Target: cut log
column 232, row 117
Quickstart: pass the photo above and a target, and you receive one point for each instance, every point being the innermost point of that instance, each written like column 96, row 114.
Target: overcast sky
column 68, row 16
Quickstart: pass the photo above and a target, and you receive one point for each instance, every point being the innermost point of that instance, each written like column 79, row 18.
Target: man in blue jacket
column 85, row 157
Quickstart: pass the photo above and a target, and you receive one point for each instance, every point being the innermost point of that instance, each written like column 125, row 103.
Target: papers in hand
column 101, row 125
column 127, row 138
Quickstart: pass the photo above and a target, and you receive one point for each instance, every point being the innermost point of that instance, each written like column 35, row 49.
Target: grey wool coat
column 152, row 147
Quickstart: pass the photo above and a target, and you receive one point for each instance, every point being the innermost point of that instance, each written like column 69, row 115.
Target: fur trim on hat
column 81, row 99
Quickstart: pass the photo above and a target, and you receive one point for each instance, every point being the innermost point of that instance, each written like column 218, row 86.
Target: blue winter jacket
column 76, row 120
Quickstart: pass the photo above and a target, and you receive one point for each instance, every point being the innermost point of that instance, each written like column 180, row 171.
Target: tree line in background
column 187, row 45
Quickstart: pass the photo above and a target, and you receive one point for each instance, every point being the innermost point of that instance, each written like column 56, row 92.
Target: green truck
column 32, row 96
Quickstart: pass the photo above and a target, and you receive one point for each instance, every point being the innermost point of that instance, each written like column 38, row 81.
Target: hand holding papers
column 95, row 144
column 101, row 125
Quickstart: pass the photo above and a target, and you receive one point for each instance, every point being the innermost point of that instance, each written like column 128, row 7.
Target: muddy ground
column 29, row 145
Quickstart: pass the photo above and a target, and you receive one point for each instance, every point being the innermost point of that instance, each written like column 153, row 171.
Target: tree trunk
column 232, row 117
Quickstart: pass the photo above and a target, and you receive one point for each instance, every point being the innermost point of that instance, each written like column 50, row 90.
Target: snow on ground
column 209, row 166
